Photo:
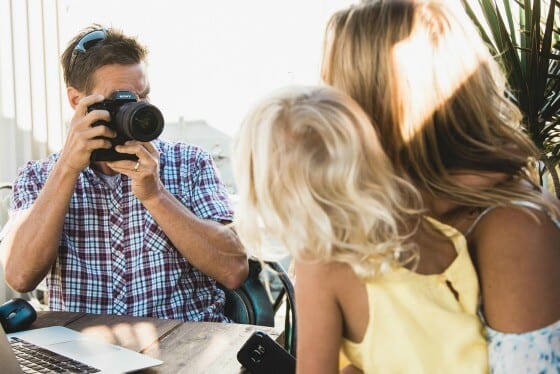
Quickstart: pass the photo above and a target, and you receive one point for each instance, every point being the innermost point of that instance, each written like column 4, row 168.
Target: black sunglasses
column 86, row 42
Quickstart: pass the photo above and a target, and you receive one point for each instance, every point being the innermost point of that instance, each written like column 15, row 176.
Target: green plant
column 523, row 35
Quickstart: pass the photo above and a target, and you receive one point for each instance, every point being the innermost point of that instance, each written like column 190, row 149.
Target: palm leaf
column 526, row 47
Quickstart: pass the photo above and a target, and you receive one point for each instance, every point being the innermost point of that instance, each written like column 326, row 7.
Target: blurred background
column 209, row 61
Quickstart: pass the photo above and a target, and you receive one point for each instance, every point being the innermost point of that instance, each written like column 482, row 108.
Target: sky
column 211, row 60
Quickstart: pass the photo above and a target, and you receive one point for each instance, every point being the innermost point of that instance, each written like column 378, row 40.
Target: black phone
column 261, row 354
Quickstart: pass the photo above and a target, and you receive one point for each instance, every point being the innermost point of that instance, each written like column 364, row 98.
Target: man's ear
column 74, row 96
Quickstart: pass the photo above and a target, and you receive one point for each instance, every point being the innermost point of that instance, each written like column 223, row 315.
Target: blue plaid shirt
column 114, row 258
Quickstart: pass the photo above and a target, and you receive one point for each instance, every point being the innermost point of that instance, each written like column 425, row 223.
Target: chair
column 250, row 303
column 38, row 296
column 5, row 192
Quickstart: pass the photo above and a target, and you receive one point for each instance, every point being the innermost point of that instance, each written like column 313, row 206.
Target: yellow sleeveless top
column 417, row 325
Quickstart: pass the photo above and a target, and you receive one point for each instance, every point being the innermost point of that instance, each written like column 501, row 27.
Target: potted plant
column 523, row 35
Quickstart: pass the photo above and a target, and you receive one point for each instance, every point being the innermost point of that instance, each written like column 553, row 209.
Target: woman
column 396, row 290
column 437, row 99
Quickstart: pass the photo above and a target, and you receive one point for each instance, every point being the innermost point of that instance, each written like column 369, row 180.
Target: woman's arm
column 319, row 319
column 518, row 262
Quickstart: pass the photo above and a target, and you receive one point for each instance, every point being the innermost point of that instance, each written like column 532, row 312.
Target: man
column 143, row 237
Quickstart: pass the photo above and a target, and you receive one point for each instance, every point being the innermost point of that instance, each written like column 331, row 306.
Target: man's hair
column 422, row 73
column 116, row 48
column 311, row 172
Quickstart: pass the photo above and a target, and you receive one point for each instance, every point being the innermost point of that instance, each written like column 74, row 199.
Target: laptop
column 60, row 349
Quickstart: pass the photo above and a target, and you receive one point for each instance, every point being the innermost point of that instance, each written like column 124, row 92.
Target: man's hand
column 82, row 137
column 144, row 173
column 211, row 247
column 31, row 246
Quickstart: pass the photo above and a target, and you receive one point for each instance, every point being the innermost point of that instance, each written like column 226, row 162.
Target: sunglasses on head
column 87, row 41
column 90, row 39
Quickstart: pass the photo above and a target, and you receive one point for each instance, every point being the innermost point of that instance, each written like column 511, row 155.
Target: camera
column 131, row 120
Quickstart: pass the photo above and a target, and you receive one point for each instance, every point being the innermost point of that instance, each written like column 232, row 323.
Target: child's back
column 411, row 321
column 310, row 172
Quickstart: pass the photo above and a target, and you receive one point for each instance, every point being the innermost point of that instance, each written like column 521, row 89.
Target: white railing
column 31, row 123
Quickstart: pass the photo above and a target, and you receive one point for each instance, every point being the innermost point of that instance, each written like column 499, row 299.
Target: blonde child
column 374, row 276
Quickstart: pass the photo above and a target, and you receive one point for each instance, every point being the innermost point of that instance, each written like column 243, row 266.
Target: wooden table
column 184, row 347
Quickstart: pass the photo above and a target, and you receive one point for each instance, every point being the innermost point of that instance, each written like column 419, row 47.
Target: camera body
column 131, row 120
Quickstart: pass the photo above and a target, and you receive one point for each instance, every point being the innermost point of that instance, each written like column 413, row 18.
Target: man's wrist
column 155, row 199
column 64, row 171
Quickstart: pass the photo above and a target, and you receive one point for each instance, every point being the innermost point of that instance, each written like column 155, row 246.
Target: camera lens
column 139, row 121
column 145, row 121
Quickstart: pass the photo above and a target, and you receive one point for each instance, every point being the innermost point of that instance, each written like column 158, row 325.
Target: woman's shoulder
column 517, row 255
column 522, row 227
column 518, row 220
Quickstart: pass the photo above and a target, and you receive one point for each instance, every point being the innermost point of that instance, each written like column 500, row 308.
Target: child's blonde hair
column 311, row 173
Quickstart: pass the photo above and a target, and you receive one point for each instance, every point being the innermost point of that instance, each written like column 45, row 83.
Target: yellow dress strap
column 461, row 273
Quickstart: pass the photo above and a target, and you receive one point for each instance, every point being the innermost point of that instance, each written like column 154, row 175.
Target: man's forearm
column 31, row 246
column 210, row 246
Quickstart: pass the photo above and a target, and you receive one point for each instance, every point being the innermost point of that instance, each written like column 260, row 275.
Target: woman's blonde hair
column 437, row 97
column 311, row 173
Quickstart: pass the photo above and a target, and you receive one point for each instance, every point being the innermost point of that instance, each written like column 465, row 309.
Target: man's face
column 110, row 78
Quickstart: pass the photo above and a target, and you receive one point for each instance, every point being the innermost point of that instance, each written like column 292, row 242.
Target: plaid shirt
column 114, row 258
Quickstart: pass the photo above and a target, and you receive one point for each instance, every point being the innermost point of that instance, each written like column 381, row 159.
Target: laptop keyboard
column 34, row 359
